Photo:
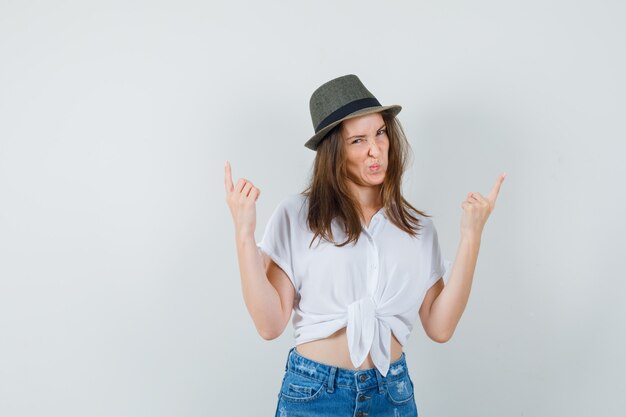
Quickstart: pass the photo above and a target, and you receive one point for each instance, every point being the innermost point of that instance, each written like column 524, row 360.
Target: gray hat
column 340, row 99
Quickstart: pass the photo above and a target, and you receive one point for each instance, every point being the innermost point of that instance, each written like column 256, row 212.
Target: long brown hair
column 329, row 195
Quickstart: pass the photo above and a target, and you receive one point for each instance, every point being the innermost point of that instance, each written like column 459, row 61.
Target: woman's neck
column 369, row 198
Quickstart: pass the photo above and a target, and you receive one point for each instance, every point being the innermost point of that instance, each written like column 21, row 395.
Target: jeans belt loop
column 379, row 379
column 331, row 379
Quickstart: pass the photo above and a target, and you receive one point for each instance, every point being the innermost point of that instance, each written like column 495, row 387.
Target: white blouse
column 373, row 288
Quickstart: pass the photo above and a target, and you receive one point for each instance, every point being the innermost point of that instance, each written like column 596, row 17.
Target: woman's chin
column 374, row 180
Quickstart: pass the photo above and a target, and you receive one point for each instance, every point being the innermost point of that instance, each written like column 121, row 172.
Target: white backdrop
column 119, row 287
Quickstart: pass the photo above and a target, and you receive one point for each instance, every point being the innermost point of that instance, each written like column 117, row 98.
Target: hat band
column 347, row 109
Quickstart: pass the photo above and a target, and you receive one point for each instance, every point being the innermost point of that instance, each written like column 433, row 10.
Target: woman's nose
column 374, row 150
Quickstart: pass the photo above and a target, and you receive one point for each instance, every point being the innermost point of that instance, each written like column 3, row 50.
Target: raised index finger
column 228, row 179
column 496, row 188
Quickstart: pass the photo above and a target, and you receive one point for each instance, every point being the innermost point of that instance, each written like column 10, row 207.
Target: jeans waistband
column 357, row 379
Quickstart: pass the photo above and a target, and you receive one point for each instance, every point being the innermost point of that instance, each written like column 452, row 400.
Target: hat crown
column 335, row 94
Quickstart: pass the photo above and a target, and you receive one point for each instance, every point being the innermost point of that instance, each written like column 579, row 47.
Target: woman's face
column 366, row 147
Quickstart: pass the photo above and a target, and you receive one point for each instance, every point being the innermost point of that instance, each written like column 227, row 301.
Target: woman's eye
column 382, row 131
column 356, row 140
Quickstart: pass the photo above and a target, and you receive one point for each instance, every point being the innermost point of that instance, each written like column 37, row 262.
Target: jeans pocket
column 299, row 388
column 400, row 391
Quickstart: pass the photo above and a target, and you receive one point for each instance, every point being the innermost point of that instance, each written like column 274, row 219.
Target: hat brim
column 314, row 142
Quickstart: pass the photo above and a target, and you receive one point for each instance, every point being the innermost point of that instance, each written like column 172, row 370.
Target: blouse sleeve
column 276, row 241
column 439, row 266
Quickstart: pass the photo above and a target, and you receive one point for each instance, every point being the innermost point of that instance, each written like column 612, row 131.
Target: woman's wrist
column 244, row 239
column 471, row 237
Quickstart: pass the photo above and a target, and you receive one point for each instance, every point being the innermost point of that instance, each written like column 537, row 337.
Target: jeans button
column 363, row 378
column 362, row 397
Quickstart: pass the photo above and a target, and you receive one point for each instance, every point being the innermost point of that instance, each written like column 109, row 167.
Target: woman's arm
column 442, row 307
column 267, row 290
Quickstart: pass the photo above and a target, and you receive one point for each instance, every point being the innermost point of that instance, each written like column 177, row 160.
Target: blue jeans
column 310, row 388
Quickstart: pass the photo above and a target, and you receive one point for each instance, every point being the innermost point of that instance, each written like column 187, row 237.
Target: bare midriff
column 333, row 351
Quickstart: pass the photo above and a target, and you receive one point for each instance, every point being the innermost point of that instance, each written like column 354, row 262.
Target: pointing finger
column 228, row 178
column 496, row 188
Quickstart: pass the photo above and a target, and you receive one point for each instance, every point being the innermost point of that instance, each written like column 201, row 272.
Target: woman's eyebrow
column 357, row 136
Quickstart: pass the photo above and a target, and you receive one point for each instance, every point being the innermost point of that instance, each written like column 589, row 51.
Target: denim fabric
column 310, row 388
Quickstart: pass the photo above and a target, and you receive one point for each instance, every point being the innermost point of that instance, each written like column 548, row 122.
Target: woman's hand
column 241, row 199
column 476, row 210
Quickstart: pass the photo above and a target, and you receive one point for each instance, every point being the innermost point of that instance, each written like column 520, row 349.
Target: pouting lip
column 374, row 166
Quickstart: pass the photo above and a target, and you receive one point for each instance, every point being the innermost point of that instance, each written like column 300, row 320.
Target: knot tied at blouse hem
column 368, row 333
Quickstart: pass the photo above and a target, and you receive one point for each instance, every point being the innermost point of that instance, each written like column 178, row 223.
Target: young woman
column 354, row 260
